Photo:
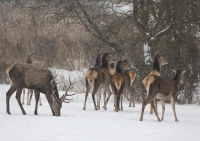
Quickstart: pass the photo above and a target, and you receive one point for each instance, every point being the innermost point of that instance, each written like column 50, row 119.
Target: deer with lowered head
column 159, row 61
column 40, row 80
column 118, row 82
column 163, row 88
column 31, row 59
column 98, row 78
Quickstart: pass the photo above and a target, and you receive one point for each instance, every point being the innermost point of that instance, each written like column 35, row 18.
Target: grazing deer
column 158, row 62
column 118, row 82
column 99, row 78
column 40, row 80
column 163, row 88
column 31, row 59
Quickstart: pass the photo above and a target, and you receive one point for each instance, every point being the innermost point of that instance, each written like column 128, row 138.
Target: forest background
column 69, row 34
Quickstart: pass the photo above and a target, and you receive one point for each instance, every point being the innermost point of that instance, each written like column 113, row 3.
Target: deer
column 130, row 76
column 31, row 59
column 163, row 88
column 118, row 82
column 40, row 80
column 159, row 61
column 98, row 78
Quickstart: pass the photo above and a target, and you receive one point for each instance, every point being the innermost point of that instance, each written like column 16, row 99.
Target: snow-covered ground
column 74, row 124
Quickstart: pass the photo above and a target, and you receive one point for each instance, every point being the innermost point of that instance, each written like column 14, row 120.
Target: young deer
column 158, row 62
column 130, row 76
column 163, row 88
column 90, row 75
column 118, row 82
column 99, row 78
column 31, row 59
column 40, row 80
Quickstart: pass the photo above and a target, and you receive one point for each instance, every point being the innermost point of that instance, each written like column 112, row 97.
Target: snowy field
column 89, row 125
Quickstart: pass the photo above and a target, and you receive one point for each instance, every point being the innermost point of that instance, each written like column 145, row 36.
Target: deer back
column 29, row 76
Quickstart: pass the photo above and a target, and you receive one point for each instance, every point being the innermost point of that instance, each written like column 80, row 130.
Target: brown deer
column 40, row 80
column 159, row 61
column 31, row 59
column 99, row 78
column 118, row 82
column 130, row 76
column 163, row 88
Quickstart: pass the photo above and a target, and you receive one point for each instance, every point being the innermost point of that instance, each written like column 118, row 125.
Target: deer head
column 57, row 102
column 31, row 59
column 160, row 59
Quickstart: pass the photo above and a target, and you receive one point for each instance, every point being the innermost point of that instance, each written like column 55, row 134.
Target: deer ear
column 172, row 69
column 185, row 70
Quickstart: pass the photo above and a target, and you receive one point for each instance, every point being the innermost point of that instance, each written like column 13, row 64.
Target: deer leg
column 40, row 101
column 18, row 96
column 30, row 97
column 98, row 95
column 133, row 100
column 109, row 94
column 130, row 101
column 86, row 94
column 151, row 110
column 173, row 108
column 104, row 97
column 23, row 96
column 37, row 95
column 154, row 109
column 117, row 103
column 144, row 103
column 95, row 89
column 163, row 109
column 121, row 99
column 8, row 95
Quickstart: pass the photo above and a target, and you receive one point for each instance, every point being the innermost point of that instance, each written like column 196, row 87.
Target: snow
column 74, row 124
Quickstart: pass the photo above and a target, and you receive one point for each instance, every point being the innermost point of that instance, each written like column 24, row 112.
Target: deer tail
column 90, row 76
column 7, row 73
column 118, row 80
column 132, row 76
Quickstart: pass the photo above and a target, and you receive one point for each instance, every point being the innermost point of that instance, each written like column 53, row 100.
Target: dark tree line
column 73, row 31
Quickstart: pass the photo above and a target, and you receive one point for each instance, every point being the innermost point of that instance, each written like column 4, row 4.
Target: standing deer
column 31, row 59
column 99, row 78
column 118, row 82
column 163, row 88
column 158, row 62
column 40, row 80
column 130, row 76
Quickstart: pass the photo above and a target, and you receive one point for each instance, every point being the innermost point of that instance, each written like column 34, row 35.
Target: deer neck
column 119, row 70
column 156, row 66
column 105, row 64
column 98, row 62
column 177, row 81
column 55, row 91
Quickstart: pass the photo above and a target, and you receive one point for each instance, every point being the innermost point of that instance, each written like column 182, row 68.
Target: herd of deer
column 101, row 77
